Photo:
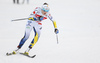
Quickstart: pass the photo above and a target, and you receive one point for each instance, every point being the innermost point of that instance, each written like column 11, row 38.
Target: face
column 43, row 12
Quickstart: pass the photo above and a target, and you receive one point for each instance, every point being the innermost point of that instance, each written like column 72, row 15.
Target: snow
column 78, row 23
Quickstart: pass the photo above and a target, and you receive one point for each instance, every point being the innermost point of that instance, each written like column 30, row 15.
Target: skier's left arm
column 54, row 23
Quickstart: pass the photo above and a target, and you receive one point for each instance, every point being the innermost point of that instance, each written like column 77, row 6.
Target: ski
column 8, row 54
column 27, row 55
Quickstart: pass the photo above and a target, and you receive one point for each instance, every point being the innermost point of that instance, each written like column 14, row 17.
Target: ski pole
column 57, row 38
column 19, row 19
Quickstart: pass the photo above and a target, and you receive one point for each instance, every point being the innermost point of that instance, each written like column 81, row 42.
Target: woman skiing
column 35, row 22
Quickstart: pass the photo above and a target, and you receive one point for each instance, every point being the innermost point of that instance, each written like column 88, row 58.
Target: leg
column 37, row 31
column 26, row 36
column 23, row 40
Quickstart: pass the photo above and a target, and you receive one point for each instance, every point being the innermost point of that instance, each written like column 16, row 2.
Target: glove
column 40, row 18
column 56, row 31
column 31, row 18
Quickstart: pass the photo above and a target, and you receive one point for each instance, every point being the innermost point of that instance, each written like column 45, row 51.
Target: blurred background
column 78, row 22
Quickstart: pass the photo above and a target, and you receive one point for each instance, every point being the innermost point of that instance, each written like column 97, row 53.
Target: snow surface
column 78, row 23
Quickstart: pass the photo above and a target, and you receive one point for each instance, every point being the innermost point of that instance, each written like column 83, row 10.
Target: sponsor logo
column 28, row 27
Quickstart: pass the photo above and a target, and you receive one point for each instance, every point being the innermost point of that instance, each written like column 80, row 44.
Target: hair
column 45, row 4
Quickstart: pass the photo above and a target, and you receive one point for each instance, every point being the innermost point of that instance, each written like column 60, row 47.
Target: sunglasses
column 45, row 10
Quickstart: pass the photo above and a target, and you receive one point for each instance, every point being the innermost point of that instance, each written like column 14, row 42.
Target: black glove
column 40, row 18
column 56, row 31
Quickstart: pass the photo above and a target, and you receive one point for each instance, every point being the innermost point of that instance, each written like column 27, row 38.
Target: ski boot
column 12, row 53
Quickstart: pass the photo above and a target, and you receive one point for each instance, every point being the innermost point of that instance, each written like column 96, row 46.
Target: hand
column 40, row 18
column 56, row 31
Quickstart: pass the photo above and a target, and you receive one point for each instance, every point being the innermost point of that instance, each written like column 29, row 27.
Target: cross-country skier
column 35, row 22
